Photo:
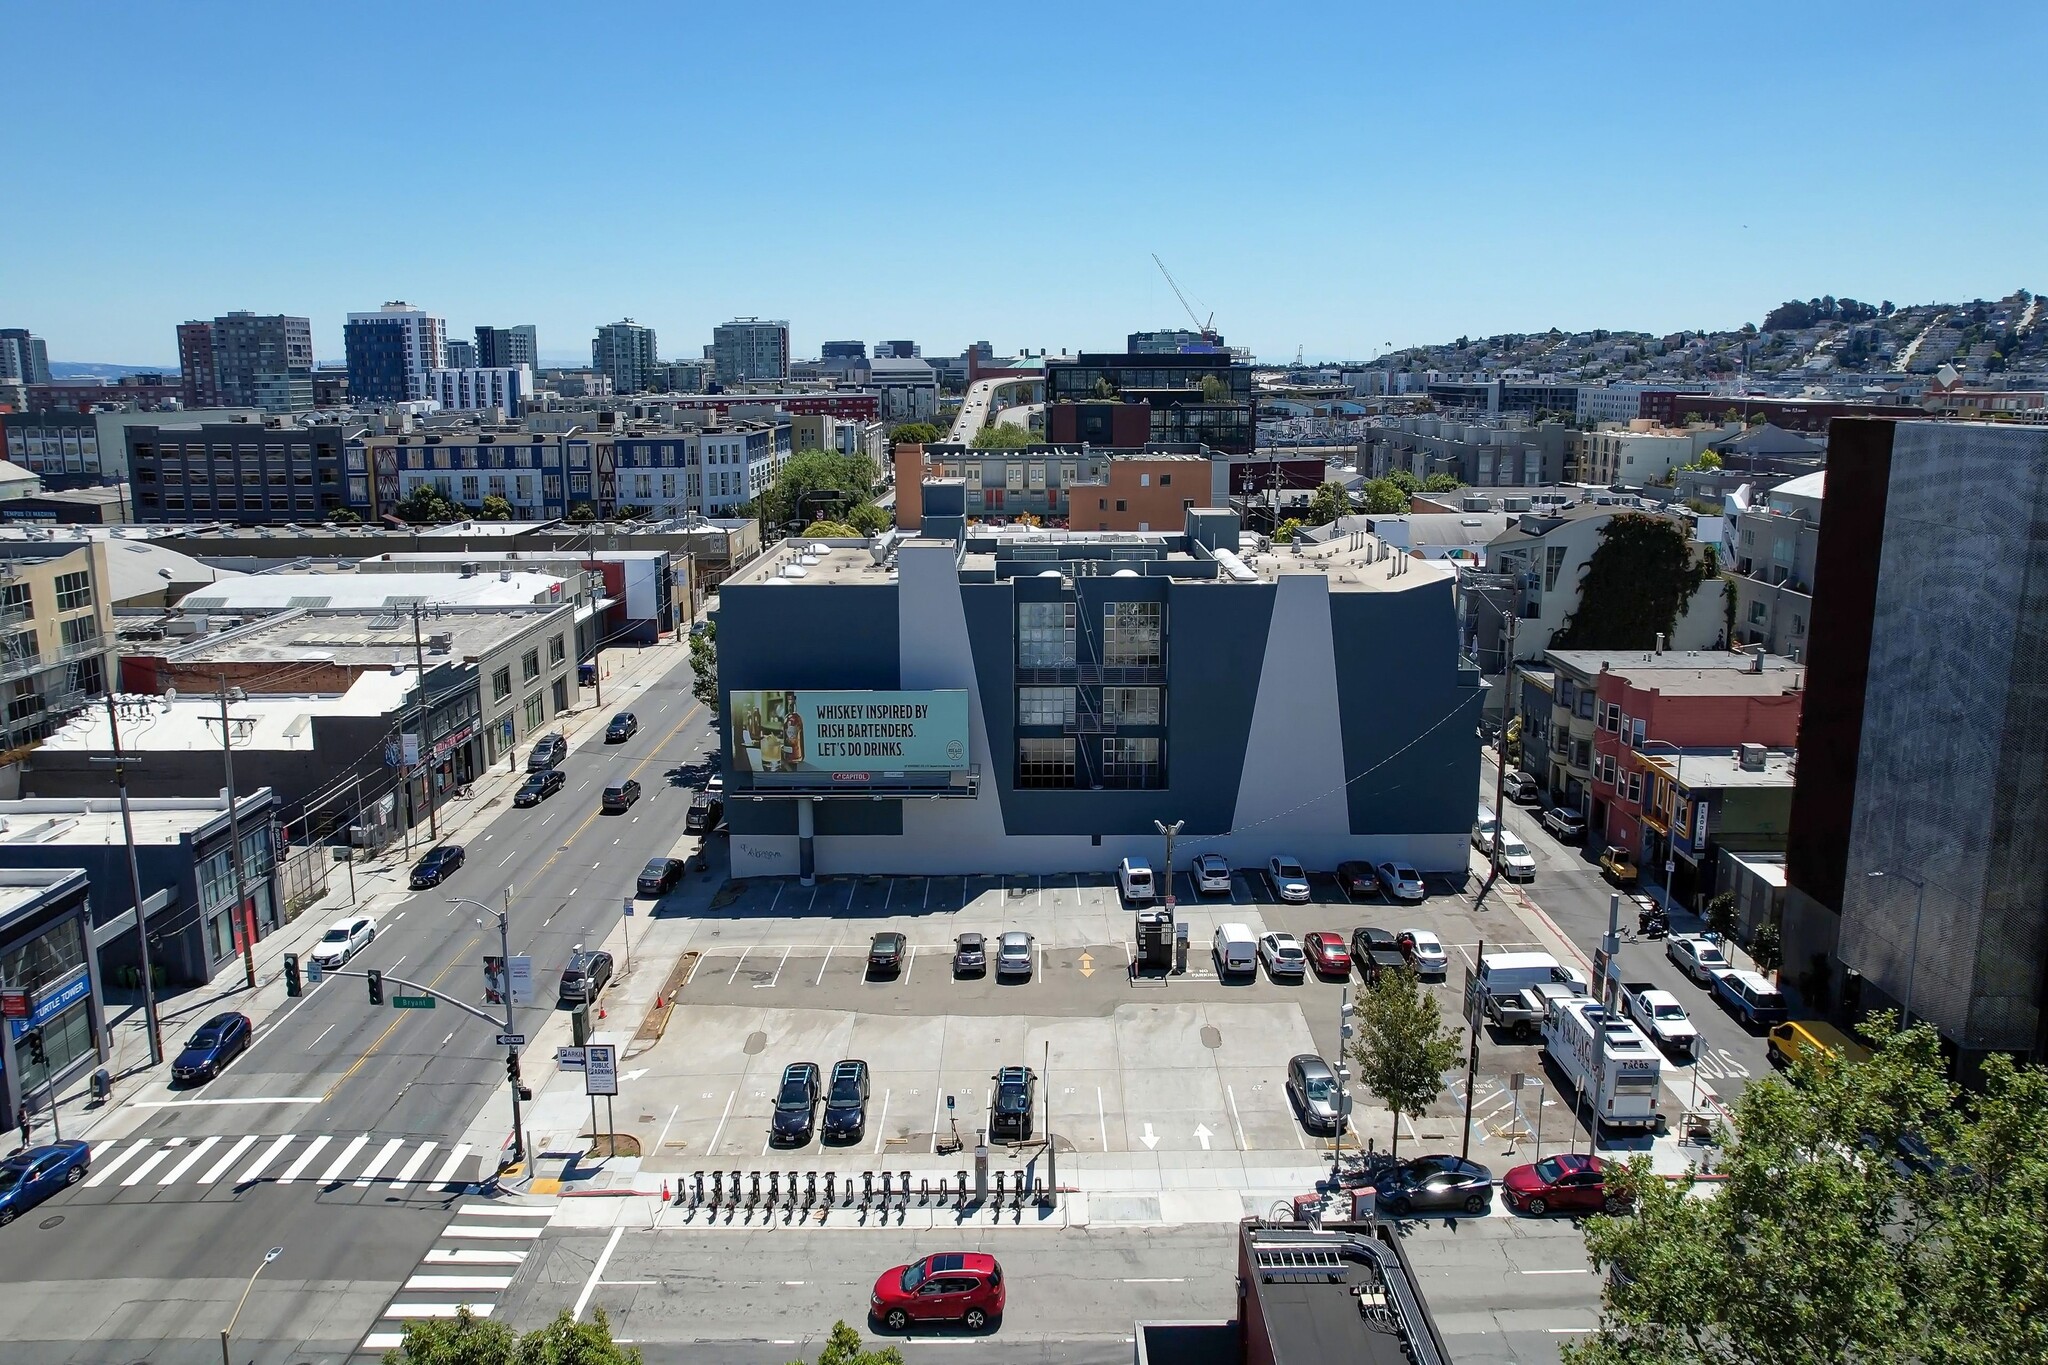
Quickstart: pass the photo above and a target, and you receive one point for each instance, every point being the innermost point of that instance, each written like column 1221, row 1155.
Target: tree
column 1442, row 483
column 1829, row 1244
column 427, row 505
column 582, row 514
column 1721, row 914
column 1709, row 459
column 1402, row 1049
column 1767, row 945
column 495, row 508
column 814, row 481
column 1640, row 577
column 342, row 516
column 627, row 511
column 1328, row 503
column 1286, row 531
column 466, row 1339
column 704, row 665
column 1404, row 481
column 914, row 433
column 844, row 1347
column 1383, row 498
column 1003, row 436
column 1214, row 390
column 822, row 529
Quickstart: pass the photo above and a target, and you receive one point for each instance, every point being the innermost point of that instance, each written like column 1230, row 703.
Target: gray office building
column 750, row 350
column 625, row 352
column 23, row 356
column 500, row 348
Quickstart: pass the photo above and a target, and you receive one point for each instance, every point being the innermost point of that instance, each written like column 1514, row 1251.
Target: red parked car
column 953, row 1286
column 1327, row 953
column 1570, row 1183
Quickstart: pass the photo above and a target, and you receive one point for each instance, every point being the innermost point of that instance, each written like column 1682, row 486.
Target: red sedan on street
column 953, row 1286
column 1327, row 953
column 1568, row 1183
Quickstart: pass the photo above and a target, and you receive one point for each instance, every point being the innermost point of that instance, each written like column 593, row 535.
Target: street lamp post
column 511, row 1052
column 268, row 1257
column 1913, row 957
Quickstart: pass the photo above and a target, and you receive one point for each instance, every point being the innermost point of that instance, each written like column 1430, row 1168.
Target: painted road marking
column 263, row 1162
column 348, row 1154
column 454, row 1159
column 412, row 1167
column 378, row 1162
column 135, row 1176
column 189, row 1162
column 234, row 1154
column 298, row 1168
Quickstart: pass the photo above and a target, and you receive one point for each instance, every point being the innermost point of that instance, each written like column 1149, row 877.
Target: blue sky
column 1331, row 178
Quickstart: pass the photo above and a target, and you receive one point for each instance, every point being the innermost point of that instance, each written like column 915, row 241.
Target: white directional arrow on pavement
column 1203, row 1134
column 633, row 1075
column 1149, row 1138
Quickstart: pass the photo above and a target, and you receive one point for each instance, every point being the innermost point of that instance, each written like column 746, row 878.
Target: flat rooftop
column 1721, row 769
column 361, row 637
column 277, row 591
column 1338, row 1293
column 96, row 820
column 192, row 724
column 1700, row 672
column 22, row 887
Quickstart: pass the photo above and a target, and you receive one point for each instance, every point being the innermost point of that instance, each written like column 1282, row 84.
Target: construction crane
column 1207, row 329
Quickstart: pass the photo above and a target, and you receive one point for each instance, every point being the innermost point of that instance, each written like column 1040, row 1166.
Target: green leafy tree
column 427, row 505
column 342, row 516
column 914, row 433
column 1818, row 1248
column 844, row 1347
column 1404, row 481
column 1328, row 503
column 1003, row 436
column 466, row 1339
column 1286, row 531
column 822, row 529
column 1767, row 945
column 582, row 514
column 1442, row 483
column 1721, row 914
column 495, row 508
column 808, row 483
column 868, row 519
column 1382, row 498
column 627, row 511
column 1403, row 1048
column 704, row 666
column 1214, row 390
column 1640, row 576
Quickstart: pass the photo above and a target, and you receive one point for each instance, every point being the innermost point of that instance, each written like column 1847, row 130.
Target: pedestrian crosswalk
column 362, row 1160
column 474, row 1260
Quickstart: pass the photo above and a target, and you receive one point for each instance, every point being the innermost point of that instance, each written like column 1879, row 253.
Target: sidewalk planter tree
column 1402, row 1049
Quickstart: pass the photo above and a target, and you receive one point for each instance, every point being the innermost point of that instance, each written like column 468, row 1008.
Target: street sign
column 601, row 1069
column 313, row 969
column 629, row 907
column 511, row 1040
column 1171, row 900
column 412, row 1002
column 569, row 1058
column 14, row 1003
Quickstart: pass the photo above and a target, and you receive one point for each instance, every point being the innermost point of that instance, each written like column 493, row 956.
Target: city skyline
column 1395, row 183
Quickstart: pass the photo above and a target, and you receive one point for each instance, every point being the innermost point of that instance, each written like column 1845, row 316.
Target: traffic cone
column 664, row 1190
column 659, row 1003
column 600, row 1011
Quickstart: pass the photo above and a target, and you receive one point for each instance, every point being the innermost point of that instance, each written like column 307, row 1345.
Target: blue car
column 28, row 1178
column 217, row 1042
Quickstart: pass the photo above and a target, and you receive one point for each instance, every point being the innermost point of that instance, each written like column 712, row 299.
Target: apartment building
column 24, row 356
column 1481, row 452
column 710, row 470
column 1189, row 399
column 751, row 350
column 508, row 347
column 1080, row 488
column 263, row 472
column 57, row 644
column 69, row 449
column 530, row 470
column 244, row 359
column 624, row 352
column 505, row 388
column 1777, row 543
column 1642, row 452
column 391, row 352
column 1621, row 404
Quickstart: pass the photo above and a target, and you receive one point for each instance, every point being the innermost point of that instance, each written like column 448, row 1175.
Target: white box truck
column 1607, row 1059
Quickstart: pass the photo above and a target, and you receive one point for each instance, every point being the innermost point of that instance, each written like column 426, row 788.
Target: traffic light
column 36, row 1054
column 376, row 979
column 291, row 974
column 512, row 1067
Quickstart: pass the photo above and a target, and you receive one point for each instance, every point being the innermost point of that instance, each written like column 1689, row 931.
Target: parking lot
column 1184, row 1063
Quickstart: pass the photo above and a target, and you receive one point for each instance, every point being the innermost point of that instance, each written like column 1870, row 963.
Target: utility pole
column 511, row 1053
column 419, row 659
column 156, row 1032
column 1169, row 831
column 242, row 906
column 1052, row 1177
column 1500, row 751
column 1343, row 1070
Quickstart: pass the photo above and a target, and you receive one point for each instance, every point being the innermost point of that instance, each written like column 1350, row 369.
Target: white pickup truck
column 1658, row 1013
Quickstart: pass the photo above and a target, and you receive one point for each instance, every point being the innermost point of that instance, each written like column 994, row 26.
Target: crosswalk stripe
column 466, row 1283
column 491, row 1232
column 263, row 1162
column 220, row 1168
column 454, row 1159
column 438, row 1256
column 438, row 1310
column 189, row 1162
column 298, row 1168
column 348, row 1154
column 378, row 1162
column 501, row 1211
column 412, row 1167
column 383, row 1341
column 135, row 1176
column 105, row 1171
column 97, row 1151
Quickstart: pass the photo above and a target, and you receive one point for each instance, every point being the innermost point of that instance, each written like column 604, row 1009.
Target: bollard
column 810, row 1188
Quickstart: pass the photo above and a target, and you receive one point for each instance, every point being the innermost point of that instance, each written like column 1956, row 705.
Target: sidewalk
column 380, row 882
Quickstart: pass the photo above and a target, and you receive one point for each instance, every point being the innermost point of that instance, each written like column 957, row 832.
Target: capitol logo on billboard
column 849, row 777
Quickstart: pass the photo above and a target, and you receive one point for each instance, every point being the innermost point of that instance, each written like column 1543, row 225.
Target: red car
column 1327, row 953
column 953, row 1286
column 1570, row 1183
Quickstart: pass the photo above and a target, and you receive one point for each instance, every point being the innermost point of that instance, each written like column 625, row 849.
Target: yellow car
column 1618, row 866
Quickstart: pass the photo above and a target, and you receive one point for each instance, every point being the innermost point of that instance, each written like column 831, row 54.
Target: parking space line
column 888, row 894
column 778, row 897
column 927, row 893
column 938, row 1099
column 911, row 965
column 1101, row 1120
column 1235, row 1121
column 815, row 889
column 852, row 886
column 775, row 976
column 737, row 965
column 880, row 1130
column 693, row 968
column 823, row 965
column 719, row 1131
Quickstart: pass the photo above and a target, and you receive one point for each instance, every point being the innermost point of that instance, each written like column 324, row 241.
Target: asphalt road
column 343, row 1098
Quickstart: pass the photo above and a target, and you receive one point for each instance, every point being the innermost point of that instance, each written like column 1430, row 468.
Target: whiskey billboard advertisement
column 848, row 736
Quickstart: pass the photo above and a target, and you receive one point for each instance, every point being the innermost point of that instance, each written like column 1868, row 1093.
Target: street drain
column 755, row 1043
column 1212, row 1037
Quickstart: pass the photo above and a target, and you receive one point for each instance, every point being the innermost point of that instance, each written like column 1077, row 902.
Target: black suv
column 846, row 1103
column 619, row 795
column 538, row 787
column 1016, row 1089
column 623, row 727
column 1375, row 950
column 548, row 750
column 588, row 972
column 659, row 877
column 796, row 1105
column 704, row 813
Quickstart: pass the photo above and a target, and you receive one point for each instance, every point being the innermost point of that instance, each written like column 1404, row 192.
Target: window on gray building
column 1130, row 635
column 1045, row 635
column 1045, row 706
column 1131, row 705
column 1045, row 762
column 1132, row 762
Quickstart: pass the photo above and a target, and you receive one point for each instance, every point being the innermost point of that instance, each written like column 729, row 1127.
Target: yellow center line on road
column 372, row 1048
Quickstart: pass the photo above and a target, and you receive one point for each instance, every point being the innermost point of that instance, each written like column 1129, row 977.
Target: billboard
column 847, row 736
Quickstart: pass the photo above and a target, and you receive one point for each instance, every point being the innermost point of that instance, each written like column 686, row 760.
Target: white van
column 1134, row 877
column 1237, row 951
column 1506, row 973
